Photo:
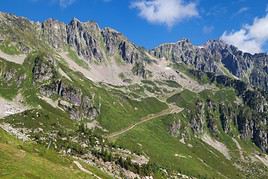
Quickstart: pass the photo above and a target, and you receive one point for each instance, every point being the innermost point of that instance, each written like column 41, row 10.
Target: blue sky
column 149, row 23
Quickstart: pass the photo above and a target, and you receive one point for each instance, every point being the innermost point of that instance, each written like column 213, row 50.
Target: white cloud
column 208, row 29
column 242, row 10
column 166, row 12
column 250, row 38
column 242, row 40
column 65, row 3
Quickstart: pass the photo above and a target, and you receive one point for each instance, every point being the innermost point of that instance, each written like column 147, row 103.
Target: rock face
column 54, row 32
column 95, row 44
column 11, row 77
column 70, row 98
column 112, row 40
column 253, row 122
column 88, row 110
column 227, row 117
column 43, row 70
column 211, row 117
column 69, row 93
column 85, row 38
column 20, row 31
column 174, row 128
column 198, row 119
column 249, row 117
column 81, row 37
column 89, row 41
column 184, row 52
column 213, row 55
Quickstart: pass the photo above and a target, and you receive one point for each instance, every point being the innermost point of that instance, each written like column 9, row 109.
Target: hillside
column 29, row 160
column 75, row 94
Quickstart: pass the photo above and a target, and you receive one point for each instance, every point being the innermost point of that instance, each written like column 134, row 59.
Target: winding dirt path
column 171, row 110
column 85, row 170
column 239, row 149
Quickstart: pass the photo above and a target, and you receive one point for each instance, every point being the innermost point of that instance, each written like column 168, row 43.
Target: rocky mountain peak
column 213, row 44
column 54, row 32
column 111, row 30
column 74, row 19
column 75, row 23
column 6, row 16
column 183, row 41
column 90, row 25
column 11, row 19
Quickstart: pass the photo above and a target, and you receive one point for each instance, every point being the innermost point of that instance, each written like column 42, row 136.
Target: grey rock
column 185, row 52
column 83, row 38
column 209, row 57
column 9, row 75
column 70, row 108
column 69, row 93
column 197, row 121
column 54, row 32
column 43, row 69
column 174, row 128
column 112, row 39
column 225, row 117
column 72, row 100
column 88, row 110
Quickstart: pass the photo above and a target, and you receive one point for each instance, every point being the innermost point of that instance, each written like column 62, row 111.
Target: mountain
column 216, row 56
column 90, row 96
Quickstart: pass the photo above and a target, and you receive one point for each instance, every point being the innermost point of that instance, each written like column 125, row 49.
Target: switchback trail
column 172, row 109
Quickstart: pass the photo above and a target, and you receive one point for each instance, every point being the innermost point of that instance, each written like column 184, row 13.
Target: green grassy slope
column 115, row 105
column 197, row 159
column 167, row 151
column 29, row 160
column 117, row 110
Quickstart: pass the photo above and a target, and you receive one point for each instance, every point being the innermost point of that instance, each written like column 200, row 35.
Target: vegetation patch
column 8, row 48
column 72, row 54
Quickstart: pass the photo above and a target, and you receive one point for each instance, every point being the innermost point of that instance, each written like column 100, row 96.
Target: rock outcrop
column 249, row 119
column 43, row 69
column 227, row 116
column 253, row 121
column 185, row 52
column 83, row 38
column 11, row 77
column 71, row 99
column 198, row 119
column 214, row 55
column 89, row 41
column 54, row 32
